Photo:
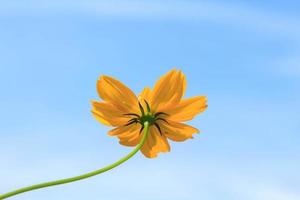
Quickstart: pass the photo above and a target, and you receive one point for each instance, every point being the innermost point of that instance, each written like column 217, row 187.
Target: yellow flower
column 163, row 107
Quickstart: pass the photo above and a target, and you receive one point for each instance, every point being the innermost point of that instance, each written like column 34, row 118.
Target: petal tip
column 105, row 78
column 93, row 102
column 101, row 77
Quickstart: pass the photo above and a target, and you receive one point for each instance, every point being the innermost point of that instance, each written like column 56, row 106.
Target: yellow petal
column 144, row 97
column 108, row 114
column 161, row 143
column 131, row 138
column 145, row 94
column 115, row 92
column 155, row 143
column 133, row 130
column 187, row 109
column 119, row 130
column 169, row 89
column 146, row 149
column 178, row 131
column 128, row 135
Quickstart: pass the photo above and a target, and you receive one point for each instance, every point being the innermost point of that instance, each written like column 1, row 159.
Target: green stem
column 84, row 176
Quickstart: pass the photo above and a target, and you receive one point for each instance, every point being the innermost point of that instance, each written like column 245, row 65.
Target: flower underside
column 147, row 116
column 162, row 107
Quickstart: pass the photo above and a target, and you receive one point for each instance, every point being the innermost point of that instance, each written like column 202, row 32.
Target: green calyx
column 146, row 116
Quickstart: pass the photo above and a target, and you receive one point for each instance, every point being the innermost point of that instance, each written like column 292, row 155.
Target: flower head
column 162, row 106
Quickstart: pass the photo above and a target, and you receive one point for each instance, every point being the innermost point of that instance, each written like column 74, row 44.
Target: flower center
column 147, row 116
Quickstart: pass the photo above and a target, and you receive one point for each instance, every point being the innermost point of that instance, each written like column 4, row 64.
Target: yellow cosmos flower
column 159, row 112
column 162, row 106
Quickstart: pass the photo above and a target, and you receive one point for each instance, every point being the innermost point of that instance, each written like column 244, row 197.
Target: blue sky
column 244, row 56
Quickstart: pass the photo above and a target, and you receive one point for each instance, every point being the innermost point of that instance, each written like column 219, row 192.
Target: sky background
column 243, row 55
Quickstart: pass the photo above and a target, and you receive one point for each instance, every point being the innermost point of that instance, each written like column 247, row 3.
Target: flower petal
column 146, row 149
column 119, row 130
column 115, row 92
column 131, row 141
column 162, row 145
column 178, row 131
column 108, row 114
column 155, row 143
column 168, row 89
column 187, row 109
column 145, row 94
column 144, row 97
column 128, row 135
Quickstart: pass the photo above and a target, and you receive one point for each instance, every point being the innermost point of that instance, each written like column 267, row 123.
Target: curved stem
column 84, row 176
